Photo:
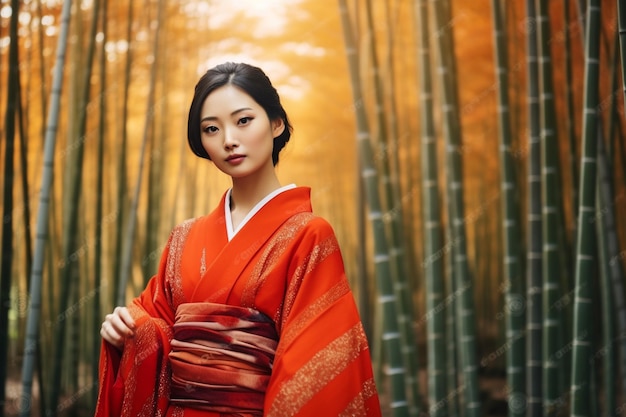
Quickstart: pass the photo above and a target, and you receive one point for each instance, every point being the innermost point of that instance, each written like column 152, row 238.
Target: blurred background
column 443, row 140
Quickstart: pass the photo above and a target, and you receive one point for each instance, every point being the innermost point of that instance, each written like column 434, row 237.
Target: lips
column 235, row 158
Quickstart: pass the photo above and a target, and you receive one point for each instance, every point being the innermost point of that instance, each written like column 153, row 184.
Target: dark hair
column 251, row 80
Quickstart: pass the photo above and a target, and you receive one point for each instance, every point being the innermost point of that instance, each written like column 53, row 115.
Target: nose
column 230, row 140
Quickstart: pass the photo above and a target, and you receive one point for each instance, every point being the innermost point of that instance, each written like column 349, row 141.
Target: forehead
column 225, row 99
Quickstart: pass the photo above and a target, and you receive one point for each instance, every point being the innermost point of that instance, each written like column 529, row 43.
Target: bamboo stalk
column 6, row 262
column 569, row 113
column 513, row 284
column 551, row 383
column 465, row 312
column 580, row 388
column 122, row 170
column 98, row 283
column 606, row 287
column 34, row 307
column 433, row 261
column 393, row 216
column 534, row 226
column 386, row 298
column 621, row 13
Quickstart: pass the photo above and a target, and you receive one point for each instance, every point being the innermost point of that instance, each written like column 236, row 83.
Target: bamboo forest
column 469, row 155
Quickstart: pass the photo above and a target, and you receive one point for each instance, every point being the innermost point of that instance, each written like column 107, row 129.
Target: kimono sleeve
column 322, row 364
column 135, row 381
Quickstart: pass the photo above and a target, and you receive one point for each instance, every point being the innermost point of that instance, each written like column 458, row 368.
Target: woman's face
column 236, row 132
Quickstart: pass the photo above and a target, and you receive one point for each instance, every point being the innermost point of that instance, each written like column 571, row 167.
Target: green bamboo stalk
column 433, row 261
column 607, row 197
column 612, row 113
column 153, row 208
column 23, row 143
column 606, row 288
column 569, row 112
column 615, row 267
column 365, row 298
column 97, row 266
column 609, row 243
column 393, row 215
column 386, row 297
column 621, row 13
column 156, row 168
column 34, row 306
column 404, row 142
column 533, row 225
column 68, row 269
column 551, row 266
column 27, row 233
column 51, row 235
column 122, row 170
column 73, row 351
column 513, row 284
column 6, row 263
column 465, row 315
column 609, row 231
column 453, row 399
column 580, row 388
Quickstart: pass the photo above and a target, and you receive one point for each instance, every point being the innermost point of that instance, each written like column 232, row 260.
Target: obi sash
column 221, row 358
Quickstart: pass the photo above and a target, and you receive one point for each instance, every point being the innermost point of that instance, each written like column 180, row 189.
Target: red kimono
column 262, row 325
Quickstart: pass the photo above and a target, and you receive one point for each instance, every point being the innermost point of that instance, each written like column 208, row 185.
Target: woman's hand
column 118, row 326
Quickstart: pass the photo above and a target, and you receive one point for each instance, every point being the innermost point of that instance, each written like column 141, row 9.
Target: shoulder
column 309, row 230
column 183, row 228
column 188, row 228
column 308, row 223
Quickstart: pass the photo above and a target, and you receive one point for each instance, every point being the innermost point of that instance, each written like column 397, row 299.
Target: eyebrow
column 232, row 114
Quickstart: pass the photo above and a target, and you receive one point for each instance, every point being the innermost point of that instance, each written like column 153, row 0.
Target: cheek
column 208, row 146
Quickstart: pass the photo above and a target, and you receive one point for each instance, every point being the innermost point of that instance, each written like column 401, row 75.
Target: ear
column 278, row 127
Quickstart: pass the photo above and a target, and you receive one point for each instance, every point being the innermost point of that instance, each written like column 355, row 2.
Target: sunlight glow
column 6, row 12
column 5, row 42
column 304, row 49
column 51, row 30
column 289, row 86
column 272, row 16
column 47, row 20
column 24, row 18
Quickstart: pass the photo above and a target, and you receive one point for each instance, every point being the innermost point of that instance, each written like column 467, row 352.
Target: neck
column 247, row 192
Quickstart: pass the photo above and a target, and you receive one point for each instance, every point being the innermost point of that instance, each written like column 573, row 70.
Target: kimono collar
column 229, row 221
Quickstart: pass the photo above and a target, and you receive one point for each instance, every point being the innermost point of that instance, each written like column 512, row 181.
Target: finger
column 125, row 315
column 110, row 335
column 119, row 326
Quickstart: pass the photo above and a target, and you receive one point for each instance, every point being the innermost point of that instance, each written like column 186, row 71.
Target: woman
column 250, row 312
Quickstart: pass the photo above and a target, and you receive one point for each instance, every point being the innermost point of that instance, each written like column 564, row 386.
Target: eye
column 244, row 120
column 209, row 129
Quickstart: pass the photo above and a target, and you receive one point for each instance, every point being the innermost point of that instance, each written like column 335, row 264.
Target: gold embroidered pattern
column 322, row 368
column 312, row 311
column 148, row 343
column 144, row 333
column 203, row 262
column 173, row 276
column 272, row 254
column 317, row 255
column 356, row 408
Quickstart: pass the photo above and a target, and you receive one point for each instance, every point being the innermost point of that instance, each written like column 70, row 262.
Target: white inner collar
column 229, row 220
